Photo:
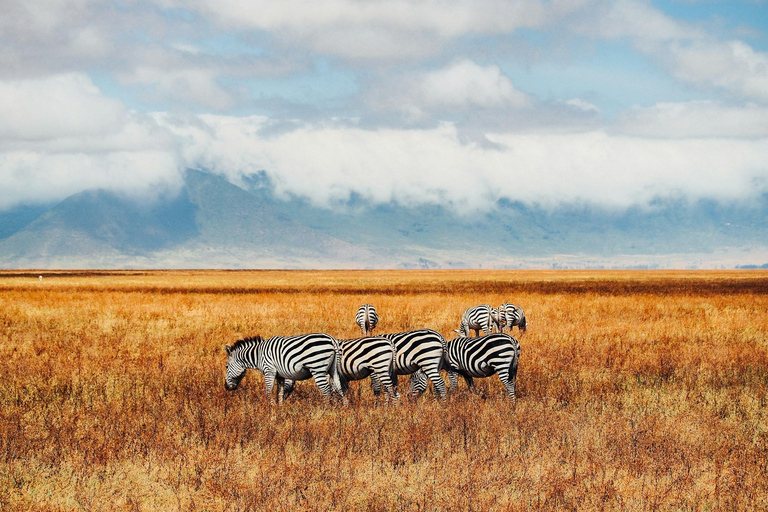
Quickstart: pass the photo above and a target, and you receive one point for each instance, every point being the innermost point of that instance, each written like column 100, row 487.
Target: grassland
column 637, row 391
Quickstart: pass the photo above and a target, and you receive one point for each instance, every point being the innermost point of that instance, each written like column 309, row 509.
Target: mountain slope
column 209, row 217
column 213, row 223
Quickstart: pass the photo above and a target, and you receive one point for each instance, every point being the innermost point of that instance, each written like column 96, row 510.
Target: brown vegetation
column 637, row 391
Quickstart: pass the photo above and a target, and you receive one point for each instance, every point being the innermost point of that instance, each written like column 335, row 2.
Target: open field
column 637, row 391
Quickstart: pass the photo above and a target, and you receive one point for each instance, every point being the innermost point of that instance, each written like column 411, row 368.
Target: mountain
column 210, row 222
column 213, row 223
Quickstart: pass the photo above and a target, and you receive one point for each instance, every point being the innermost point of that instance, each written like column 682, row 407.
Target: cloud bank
column 414, row 102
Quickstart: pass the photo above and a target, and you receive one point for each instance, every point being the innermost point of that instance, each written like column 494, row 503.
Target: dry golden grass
column 637, row 391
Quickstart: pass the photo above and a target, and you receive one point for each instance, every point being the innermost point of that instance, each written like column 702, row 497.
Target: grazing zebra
column 286, row 360
column 482, row 357
column 420, row 351
column 511, row 315
column 367, row 318
column 476, row 318
column 372, row 356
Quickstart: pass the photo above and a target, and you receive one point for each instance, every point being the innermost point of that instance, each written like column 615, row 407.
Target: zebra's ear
column 227, row 349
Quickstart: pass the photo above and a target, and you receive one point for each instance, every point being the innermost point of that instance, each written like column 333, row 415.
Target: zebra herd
column 422, row 354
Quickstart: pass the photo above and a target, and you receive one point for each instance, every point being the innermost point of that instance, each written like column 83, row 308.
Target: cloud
column 733, row 66
column 60, row 135
column 688, row 52
column 375, row 29
column 462, row 86
column 466, row 84
column 635, row 20
column 61, row 105
column 435, row 166
column 698, row 119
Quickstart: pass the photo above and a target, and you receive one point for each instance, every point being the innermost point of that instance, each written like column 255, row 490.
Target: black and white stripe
column 483, row 356
column 373, row 357
column 476, row 318
column 511, row 316
column 367, row 318
column 422, row 350
column 285, row 360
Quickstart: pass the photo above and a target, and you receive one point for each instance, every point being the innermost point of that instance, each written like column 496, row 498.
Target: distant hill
column 213, row 223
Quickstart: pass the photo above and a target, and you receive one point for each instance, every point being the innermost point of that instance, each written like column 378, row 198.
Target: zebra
column 421, row 351
column 286, row 360
column 372, row 356
column 483, row 356
column 367, row 318
column 476, row 318
column 511, row 315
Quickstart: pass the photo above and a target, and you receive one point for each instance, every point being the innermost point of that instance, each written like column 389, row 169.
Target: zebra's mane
column 247, row 341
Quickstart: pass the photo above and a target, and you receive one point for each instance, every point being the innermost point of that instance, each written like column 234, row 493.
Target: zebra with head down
column 477, row 318
column 510, row 316
column 284, row 360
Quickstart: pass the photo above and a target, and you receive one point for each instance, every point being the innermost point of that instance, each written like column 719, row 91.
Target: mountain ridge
column 213, row 223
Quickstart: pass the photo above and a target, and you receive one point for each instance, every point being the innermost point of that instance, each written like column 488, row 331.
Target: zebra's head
column 516, row 316
column 235, row 367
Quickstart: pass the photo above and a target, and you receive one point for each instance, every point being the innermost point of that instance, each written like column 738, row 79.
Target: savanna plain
column 637, row 390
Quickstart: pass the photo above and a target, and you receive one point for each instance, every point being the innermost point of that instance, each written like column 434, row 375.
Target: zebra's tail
column 339, row 383
column 445, row 364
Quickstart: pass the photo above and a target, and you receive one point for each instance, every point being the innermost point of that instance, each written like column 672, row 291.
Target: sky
column 452, row 102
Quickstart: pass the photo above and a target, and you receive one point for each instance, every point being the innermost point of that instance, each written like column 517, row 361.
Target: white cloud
column 375, row 29
column 60, row 135
column 433, row 166
column 688, row 52
column 699, row 119
column 466, row 84
column 194, row 84
column 635, row 19
column 461, row 86
column 733, row 66
column 62, row 105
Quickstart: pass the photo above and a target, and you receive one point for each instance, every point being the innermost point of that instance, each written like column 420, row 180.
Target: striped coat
column 367, row 318
column 373, row 357
column 510, row 316
column 483, row 356
column 420, row 352
column 477, row 318
column 284, row 360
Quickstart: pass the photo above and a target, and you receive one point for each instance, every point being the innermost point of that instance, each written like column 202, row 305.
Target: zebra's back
column 294, row 357
column 477, row 318
column 416, row 348
column 512, row 315
column 363, row 356
column 286, row 359
column 367, row 318
column 420, row 352
column 478, row 357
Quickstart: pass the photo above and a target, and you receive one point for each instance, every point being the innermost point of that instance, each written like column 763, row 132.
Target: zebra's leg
column 280, row 381
column 288, row 387
column 453, row 381
column 323, row 383
column 470, row 383
column 269, row 383
column 438, row 384
column 383, row 380
column 375, row 384
column 507, row 376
